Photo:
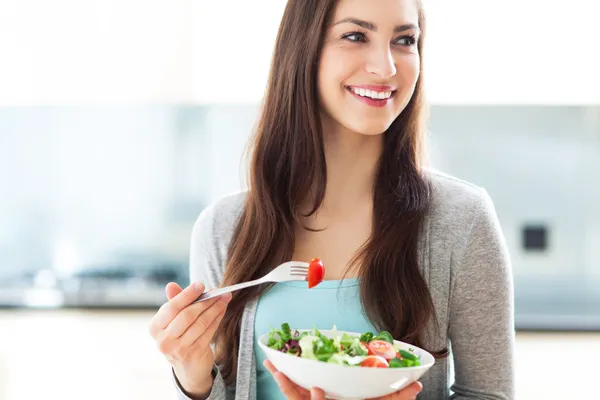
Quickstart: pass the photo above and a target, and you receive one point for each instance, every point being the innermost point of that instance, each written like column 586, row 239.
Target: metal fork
column 288, row 271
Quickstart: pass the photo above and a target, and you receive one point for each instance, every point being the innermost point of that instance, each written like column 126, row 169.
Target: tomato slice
column 316, row 272
column 374, row 362
column 382, row 348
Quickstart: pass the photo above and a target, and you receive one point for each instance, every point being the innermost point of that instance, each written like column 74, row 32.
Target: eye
column 355, row 37
column 410, row 40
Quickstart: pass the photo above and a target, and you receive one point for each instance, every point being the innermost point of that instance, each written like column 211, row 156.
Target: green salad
column 366, row 350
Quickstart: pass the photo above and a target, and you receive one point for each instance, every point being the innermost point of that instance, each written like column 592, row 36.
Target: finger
column 203, row 329
column 411, row 390
column 184, row 320
column 206, row 338
column 174, row 346
column 317, row 394
column 170, row 340
column 288, row 388
column 269, row 366
column 408, row 393
column 171, row 308
column 172, row 290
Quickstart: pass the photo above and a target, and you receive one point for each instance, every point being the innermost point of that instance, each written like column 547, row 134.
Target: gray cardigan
column 465, row 262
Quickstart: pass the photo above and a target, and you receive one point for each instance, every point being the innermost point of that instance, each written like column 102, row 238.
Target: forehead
column 379, row 12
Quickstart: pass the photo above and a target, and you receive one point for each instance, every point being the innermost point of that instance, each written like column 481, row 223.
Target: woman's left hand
column 290, row 389
column 295, row 392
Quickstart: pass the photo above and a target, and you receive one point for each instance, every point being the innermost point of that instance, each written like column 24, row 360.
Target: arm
column 205, row 266
column 219, row 390
column 481, row 329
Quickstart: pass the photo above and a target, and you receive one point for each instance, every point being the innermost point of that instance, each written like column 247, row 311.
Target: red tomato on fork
column 316, row 272
column 382, row 348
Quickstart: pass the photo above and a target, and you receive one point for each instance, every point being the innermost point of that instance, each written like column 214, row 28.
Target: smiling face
column 369, row 65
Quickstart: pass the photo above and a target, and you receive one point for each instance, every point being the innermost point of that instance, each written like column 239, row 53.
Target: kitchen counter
column 99, row 355
column 72, row 354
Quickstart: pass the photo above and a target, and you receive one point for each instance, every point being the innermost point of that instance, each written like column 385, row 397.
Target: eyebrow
column 372, row 27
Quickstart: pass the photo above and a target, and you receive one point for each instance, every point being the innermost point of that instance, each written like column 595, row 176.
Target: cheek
column 335, row 67
column 408, row 71
column 332, row 74
column 408, row 66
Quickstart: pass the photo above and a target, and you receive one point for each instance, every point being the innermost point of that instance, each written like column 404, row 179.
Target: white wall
column 514, row 51
column 478, row 52
column 94, row 51
column 233, row 44
column 200, row 51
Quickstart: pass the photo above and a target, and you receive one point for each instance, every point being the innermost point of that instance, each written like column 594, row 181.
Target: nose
column 381, row 62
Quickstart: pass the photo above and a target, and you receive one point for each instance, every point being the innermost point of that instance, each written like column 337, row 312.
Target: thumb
column 172, row 290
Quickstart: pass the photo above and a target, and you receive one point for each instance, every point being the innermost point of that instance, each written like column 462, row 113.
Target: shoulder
column 454, row 194
column 211, row 235
column 465, row 235
column 456, row 206
column 224, row 211
column 218, row 220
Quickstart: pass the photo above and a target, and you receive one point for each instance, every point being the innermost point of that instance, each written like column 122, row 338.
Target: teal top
column 330, row 303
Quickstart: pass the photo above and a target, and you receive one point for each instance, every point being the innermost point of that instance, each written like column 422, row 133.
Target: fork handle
column 217, row 292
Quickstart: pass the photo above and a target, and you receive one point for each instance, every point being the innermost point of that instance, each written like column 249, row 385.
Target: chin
column 370, row 129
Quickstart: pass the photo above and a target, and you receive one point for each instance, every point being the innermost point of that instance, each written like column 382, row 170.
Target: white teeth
column 371, row 93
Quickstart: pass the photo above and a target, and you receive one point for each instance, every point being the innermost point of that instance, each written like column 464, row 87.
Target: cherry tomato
column 382, row 348
column 316, row 272
column 374, row 362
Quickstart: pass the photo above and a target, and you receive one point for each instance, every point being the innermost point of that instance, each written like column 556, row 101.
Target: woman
column 337, row 173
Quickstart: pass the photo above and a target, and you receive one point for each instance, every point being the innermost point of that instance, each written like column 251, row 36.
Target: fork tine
column 291, row 270
column 294, row 264
column 299, row 269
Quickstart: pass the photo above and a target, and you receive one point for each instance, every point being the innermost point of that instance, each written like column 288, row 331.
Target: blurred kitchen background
column 121, row 120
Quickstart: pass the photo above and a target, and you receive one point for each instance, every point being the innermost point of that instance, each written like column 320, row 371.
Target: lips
column 377, row 88
column 372, row 95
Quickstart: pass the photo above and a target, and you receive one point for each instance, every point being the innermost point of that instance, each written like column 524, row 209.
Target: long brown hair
column 288, row 161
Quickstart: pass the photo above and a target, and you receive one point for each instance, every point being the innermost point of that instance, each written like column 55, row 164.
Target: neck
column 352, row 162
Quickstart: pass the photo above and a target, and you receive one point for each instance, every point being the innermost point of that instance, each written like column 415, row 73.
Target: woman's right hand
column 183, row 332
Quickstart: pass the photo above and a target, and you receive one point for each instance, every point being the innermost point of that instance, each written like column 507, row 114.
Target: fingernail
column 198, row 285
column 419, row 387
column 226, row 297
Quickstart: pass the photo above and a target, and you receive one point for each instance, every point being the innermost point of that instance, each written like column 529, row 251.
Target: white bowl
column 346, row 382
